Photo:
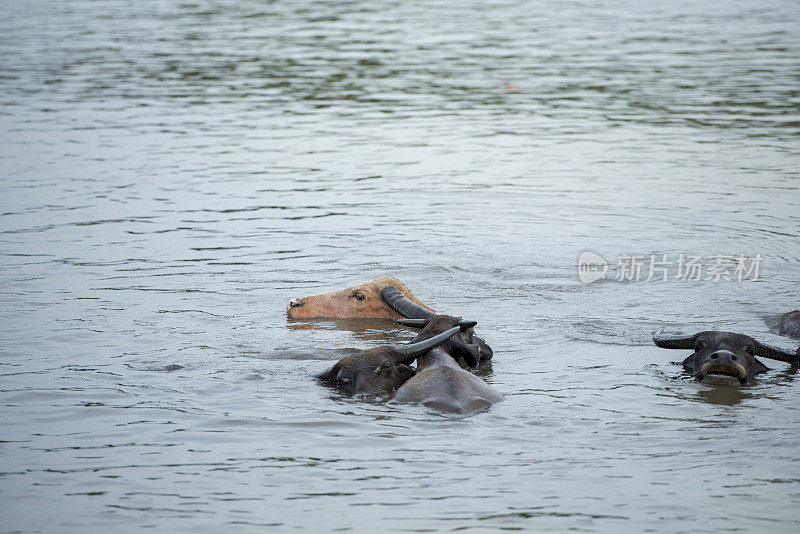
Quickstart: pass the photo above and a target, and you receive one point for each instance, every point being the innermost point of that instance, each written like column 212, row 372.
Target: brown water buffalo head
column 464, row 347
column 360, row 301
column 380, row 371
column 723, row 358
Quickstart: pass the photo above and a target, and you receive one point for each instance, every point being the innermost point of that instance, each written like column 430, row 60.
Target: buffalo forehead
column 725, row 340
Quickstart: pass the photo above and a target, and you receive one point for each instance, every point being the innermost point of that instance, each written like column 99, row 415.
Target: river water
column 172, row 173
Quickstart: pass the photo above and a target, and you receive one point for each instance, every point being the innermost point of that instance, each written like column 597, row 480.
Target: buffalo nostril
column 733, row 357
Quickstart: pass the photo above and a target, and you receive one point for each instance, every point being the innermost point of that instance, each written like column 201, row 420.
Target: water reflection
column 367, row 330
column 321, row 353
column 725, row 395
column 787, row 375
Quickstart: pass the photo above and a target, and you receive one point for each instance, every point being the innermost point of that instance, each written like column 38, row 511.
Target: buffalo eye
column 749, row 349
column 359, row 296
column 700, row 345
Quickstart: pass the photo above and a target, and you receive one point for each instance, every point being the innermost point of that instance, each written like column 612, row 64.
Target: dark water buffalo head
column 361, row 301
column 464, row 347
column 723, row 358
column 381, row 370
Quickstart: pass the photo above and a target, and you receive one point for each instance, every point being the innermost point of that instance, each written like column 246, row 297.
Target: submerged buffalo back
column 440, row 382
column 786, row 324
column 444, row 386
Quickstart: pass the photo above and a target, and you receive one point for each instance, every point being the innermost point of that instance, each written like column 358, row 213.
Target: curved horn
column 402, row 305
column 464, row 324
column 773, row 353
column 413, row 323
column 667, row 342
column 410, row 351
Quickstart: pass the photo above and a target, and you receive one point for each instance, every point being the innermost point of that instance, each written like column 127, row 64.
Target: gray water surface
column 172, row 173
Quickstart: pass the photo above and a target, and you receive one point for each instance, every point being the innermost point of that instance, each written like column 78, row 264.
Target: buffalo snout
column 294, row 303
column 724, row 357
column 722, row 367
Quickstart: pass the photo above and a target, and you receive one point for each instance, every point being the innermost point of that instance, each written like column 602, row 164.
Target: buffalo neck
column 436, row 357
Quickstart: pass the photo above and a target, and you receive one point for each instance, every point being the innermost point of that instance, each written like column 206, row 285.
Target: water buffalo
column 440, row 382
column 380, row 371
column 364, row 300
column 382, row 298
column 465, row 352
column 786, row 324
column 724, row 358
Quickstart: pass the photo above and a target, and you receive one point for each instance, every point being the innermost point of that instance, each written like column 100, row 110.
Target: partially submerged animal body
column 384, row 297
column 381, row 370
column 440, row 382
column 468, row 350
column 361, row 301
column 724, row 358
column 786, row 324
column 442, row 348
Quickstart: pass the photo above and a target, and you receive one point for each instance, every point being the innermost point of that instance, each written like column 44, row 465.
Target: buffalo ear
column 759, row 367
column 688, row 364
